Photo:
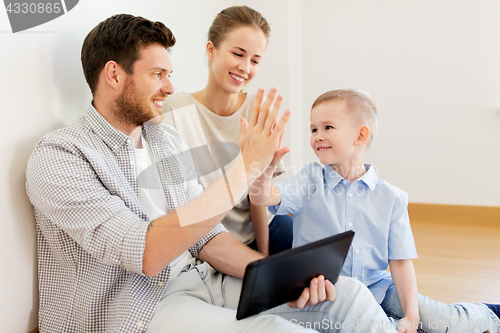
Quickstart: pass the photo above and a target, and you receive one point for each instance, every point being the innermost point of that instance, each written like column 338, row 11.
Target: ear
column 114, row 75
column 362, row 136
column 210, row 50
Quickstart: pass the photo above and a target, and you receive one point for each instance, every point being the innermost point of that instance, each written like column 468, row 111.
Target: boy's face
column 333, row 134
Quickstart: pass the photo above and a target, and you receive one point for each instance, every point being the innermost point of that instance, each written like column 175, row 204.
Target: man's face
column 146, row 88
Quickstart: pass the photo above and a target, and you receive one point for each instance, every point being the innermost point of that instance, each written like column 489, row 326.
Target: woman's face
column 234, row 63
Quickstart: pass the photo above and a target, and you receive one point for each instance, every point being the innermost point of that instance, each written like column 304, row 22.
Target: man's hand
column 319, row 290
column 260, row 139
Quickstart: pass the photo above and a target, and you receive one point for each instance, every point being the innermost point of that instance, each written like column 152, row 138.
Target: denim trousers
column 437, row 317
column 201, row 299
column 280, row 234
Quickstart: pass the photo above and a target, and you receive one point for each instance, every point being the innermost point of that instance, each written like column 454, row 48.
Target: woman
column 236, row 43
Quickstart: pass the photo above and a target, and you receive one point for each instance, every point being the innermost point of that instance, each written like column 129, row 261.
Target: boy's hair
column 120, row 38
column 358, row 104
column 234, row 17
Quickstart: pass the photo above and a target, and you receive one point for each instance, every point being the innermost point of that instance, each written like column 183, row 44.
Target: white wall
column 42, row 88
column 432, row 68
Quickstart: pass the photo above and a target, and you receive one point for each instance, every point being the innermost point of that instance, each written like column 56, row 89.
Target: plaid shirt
column 91, row 226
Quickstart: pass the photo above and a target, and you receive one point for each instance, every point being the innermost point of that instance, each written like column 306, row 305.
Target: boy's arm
column 262, row 192
column 258, row 216
column 403, row 276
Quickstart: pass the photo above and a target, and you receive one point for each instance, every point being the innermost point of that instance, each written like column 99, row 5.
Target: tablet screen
column 282, row 277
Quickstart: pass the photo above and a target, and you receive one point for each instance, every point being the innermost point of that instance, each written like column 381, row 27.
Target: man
column 117, row 256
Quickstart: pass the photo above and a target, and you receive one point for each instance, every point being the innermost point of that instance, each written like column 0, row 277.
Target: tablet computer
column 282, row 277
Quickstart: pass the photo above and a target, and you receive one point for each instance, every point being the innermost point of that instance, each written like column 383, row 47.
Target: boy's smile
column 333, row 134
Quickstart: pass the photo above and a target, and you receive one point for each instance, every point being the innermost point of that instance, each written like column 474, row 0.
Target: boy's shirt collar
column 333, row 178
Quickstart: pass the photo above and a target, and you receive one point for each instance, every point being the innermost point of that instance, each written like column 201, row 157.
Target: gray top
column 199, row 127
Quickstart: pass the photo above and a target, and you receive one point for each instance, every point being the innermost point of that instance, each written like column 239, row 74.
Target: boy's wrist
column 412, row 317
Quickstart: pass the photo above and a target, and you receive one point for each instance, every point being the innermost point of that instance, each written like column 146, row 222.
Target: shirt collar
column 333, row 178
column 370, row 177
column 113, row 137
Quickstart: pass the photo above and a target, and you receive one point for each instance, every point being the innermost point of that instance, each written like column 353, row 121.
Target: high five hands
column 260, row 138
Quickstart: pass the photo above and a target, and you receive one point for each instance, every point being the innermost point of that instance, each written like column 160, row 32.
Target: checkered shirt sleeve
column 91, row 227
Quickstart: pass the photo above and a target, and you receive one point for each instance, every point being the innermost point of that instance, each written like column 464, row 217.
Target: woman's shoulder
column 178, row 100
column 250, row 98
column 246, row 108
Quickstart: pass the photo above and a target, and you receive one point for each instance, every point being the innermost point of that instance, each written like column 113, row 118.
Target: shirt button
column 160, row 284
column 344, row 181
column 116, row 147
column 139, row 324
column 350, row 195
column 357, row 250
column 132, row 162
column 349, row 224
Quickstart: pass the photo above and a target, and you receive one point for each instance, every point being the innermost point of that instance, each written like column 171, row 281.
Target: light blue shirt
column 322, row 203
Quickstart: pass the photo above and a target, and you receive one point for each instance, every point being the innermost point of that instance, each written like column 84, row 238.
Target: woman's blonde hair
column 233, row 17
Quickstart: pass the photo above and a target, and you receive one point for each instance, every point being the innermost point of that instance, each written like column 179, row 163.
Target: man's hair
column 234, row 17
column 358, row 104
column 120, row 38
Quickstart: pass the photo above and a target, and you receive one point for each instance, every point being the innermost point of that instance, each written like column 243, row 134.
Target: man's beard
column 131, row 108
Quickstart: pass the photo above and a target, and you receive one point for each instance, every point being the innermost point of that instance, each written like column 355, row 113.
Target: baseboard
column 420, row 212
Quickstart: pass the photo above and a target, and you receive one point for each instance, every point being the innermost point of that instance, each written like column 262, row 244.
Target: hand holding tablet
column 283, row 277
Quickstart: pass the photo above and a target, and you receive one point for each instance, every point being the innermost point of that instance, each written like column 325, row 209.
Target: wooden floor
column 459, row 257
column 458, row 262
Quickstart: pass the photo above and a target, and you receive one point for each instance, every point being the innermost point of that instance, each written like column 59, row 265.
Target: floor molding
column 420, row 212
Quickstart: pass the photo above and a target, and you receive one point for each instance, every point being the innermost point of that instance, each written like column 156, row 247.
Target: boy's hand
column 407, row 326
column 319, row 290
column 278, row 155
column 260, row 138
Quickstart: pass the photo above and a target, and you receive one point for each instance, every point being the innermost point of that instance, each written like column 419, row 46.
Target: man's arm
column 228, row 255
column 174, row 233
column 403, row 276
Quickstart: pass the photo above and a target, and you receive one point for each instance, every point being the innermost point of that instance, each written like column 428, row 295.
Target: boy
column 346, row 194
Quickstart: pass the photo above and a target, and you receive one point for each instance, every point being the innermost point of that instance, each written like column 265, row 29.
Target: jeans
column 204, row 300
column 280, row 234
column 439, row 317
